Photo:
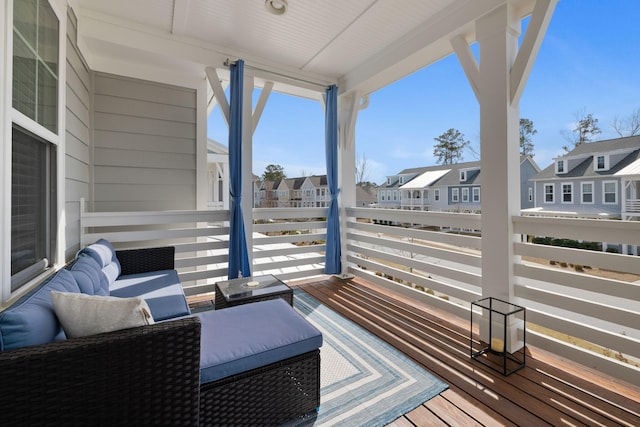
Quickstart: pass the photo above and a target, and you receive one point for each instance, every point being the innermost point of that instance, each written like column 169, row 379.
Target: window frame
column 463, row 176
column 54, row 140
column 561, row 166
column 552, row 193
column 465, row 194
column 604, row 193
column 436, row 194
column 582, row 192
column 455, row 195
column 476, row 192
column 605, row 161
column 564, row 194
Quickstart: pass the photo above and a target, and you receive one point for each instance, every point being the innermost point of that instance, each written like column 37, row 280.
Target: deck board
column 548, row 391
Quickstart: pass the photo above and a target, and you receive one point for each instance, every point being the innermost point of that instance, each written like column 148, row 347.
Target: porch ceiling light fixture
column 277, row 7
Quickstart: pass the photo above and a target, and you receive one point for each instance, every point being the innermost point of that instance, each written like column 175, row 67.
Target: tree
column 450, row 146
column 362, row 166
column 526, row 133
column 585, row 130
column 627, row 126
column 273, row 173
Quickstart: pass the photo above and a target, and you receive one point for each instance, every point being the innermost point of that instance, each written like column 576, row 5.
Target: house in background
column 448, row 188
column 366, row 195
column 594, row 180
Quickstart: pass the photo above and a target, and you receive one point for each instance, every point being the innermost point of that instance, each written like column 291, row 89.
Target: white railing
column 632, row 205
column 289, row 242
column 582, row 304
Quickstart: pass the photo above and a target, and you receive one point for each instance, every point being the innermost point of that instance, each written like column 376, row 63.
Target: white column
column 497, row 34
column 247, row 162
column 348, row 106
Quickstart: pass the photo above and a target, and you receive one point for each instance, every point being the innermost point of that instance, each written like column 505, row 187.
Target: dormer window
column 601, row 163
column 401, row 180
column 463, row 176
column 388, row 182
column 560, row 167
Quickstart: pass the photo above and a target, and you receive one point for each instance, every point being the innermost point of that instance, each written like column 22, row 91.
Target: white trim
column 530, row 194
column 6, row 52
column 553, row 193
column 562, row 162
column 570, row 193
column 606, row 162
column 582, row 192
column 604, row 183
column 465, row 194
column 463, row 175
column 455, row 195
column 436, row 195
column 475, row 190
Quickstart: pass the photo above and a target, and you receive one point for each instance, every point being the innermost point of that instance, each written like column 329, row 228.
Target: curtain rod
column 251, row 67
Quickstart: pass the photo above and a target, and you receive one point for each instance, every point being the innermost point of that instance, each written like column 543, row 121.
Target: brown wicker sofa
column 152, row 375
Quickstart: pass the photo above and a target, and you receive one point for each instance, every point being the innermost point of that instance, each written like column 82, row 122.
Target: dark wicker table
column 238, row 291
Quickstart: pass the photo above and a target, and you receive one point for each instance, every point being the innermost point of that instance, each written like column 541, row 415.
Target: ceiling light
column 277, row 7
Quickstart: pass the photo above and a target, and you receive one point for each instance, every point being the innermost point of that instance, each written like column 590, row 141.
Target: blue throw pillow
column 32, row 320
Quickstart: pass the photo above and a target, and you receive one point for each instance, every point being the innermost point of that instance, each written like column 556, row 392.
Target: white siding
column 144, row 137
column 77, row 137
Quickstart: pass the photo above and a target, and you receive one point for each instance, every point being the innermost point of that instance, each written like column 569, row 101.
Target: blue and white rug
column 364, row 381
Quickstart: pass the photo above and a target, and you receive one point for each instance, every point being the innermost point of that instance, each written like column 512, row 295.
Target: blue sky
column 589, row 62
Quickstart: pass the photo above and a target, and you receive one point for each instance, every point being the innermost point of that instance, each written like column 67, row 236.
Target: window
column 567, row 192
column 530, row 194
column 586, row 190
column 560, row 166
column 455, row 195
column 395, row 195
column 382, row 196
column 548, row 193
column 402, row 180
column 610, row 192
column 436, row 194
column 33, row 155
column 463, row 176
column 476, row 194
column 465, row 194
column 388, row 194
column 601, row 163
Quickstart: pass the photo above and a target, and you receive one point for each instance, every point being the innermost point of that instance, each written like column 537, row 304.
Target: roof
column 361, row 45
column 425, row 179
column 632, row 169
column 585, row 169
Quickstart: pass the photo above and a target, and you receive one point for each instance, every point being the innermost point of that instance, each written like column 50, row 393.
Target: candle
column 497, row 345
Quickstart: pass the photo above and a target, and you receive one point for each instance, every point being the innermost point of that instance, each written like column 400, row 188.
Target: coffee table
column 251, row 289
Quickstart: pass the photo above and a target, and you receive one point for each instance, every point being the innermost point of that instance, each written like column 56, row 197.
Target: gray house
column 594, row 180
column 448, row 188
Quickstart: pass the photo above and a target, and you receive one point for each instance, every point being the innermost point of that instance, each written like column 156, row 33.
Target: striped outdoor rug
column 364, row 381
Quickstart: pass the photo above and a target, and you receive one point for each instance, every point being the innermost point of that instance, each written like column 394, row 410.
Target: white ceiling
column 360, row 44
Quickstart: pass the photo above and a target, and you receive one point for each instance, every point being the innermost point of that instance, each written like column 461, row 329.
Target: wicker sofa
column 242, row 365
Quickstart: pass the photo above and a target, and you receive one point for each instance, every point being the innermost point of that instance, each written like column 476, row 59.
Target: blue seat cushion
column 89, row 276
column 241, row 338
column 160, row 289
column 32, row 320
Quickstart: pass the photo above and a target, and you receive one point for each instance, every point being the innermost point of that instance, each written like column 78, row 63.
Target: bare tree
column 362, row 169
column 586, row 128
column 627, row 126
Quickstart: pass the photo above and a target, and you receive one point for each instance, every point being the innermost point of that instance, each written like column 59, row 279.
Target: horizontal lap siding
column 77, row 137
column 144, row 145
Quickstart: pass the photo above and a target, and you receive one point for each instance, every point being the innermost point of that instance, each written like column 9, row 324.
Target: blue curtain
column 238, row 257
column 332, row 263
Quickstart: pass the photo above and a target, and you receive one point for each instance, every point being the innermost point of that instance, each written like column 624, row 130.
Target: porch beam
column 497, row 34
column 468, row 62
column 528, row 52
column 179, row 22
column 262, row 101
column 348, row 108
column 218, row 92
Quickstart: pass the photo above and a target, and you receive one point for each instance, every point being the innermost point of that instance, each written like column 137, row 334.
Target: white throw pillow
column 82, row 315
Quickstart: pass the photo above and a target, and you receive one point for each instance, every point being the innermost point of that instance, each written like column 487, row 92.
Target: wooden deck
column 548, row 391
